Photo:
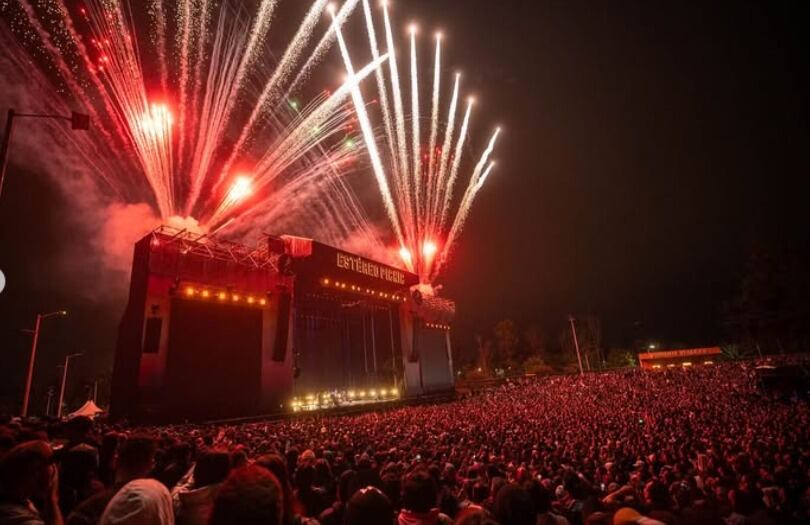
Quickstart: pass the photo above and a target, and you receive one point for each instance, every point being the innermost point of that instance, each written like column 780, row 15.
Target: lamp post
column 33, row 356
column 78, row 121
column 576, row 342
column 64, row 380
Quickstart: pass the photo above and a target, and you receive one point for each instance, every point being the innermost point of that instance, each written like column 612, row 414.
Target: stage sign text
column 362, row 266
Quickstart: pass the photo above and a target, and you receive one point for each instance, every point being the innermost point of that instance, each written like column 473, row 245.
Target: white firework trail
column 323, row 46
column 399, row 120
column 434, row 123
column 368, row 133
column 445, row 157
column 385, row 106
column 457, row 153
column 418, row 182
column 416, row 136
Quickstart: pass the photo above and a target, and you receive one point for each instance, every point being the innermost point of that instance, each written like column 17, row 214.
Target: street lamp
column 64, row 380
column 78, row 121
column 576, row 342
column 33, row 356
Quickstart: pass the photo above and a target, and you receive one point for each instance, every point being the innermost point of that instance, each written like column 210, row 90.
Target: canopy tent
column 89, row 409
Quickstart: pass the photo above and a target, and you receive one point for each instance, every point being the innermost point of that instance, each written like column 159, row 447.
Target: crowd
column 679, row 446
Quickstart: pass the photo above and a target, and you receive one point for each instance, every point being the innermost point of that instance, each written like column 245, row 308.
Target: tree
column 535, row 341
column 507, row 341
column 621, row 358
column 567, row 354
column 589, row 334
column 771, row 309
column 535, row 365
column 485, row 356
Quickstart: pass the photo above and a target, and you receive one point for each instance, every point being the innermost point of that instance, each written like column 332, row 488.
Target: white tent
column 89, row 409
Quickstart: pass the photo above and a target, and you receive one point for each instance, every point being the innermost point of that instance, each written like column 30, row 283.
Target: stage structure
column 215, row 330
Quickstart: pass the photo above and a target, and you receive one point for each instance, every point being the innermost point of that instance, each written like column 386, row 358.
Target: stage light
column 189, row 291
column 687, row 363
column 262, row 302
column 235, row 298
column 205, row 294
column 405, row 255
column 325, row 282
column 251, row 300
column 362, row 393
column 221, row 296
column 708, row 362
column 372, row 393
column 350, row 393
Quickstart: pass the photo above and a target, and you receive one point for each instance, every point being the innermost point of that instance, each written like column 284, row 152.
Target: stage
column 216, row 330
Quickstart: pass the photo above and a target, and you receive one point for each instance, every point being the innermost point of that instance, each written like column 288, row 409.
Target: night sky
column 646, row 145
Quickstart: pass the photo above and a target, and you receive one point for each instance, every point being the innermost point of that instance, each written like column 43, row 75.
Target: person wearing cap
column 27, row 474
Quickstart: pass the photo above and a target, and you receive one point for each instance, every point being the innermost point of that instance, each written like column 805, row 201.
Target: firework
column 172, row 87
column 416, row 178
column 198, row 118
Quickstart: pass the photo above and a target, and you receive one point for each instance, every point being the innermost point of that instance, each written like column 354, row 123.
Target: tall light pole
column 64, row 380
column 78, row 121
column 33, row 357
column 576, row 342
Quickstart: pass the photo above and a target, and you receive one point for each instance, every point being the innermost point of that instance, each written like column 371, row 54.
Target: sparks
column 419, row 176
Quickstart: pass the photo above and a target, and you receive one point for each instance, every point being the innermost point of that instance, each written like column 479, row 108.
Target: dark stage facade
column 219, row 330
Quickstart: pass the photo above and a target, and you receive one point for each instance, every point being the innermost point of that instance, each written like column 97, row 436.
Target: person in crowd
column 134, row 460
column 140, row 502
column 541, row 501
column 177, row 464
column 314, row 499
column 78, row 477
column 107, row 453
column 251, row 495
column 513, row 505
column 193, row 504
column 419, row 500
column 347, row 486
column 29, row 486
column 369, row 506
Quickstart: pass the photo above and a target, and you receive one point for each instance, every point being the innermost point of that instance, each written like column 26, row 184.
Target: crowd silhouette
column 697, row 445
